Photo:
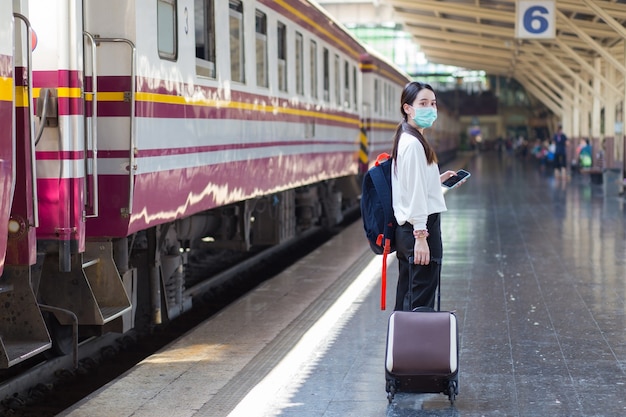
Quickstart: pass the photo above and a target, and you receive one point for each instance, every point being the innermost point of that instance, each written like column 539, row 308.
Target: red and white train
column 134, row 129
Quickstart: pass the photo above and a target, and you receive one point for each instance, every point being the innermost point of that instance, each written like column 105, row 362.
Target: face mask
column 425, row 116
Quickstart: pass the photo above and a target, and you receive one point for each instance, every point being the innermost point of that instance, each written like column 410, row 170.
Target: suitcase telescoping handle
column 411, row 263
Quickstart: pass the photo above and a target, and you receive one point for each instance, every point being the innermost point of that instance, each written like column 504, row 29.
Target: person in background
column 417, row 198
column 584, row 154
column 560, row 153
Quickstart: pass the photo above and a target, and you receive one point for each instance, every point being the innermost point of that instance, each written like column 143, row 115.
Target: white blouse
column 416, row 187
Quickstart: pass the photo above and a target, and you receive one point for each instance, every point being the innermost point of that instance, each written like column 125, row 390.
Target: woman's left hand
column 446, row 175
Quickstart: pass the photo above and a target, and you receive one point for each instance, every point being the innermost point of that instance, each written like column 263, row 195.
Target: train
column 134, row 131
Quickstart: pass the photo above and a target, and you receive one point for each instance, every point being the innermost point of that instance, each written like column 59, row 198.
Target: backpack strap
column 383, row 190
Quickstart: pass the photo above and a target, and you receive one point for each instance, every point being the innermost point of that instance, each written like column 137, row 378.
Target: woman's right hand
column 446, row 176
column 421, row 252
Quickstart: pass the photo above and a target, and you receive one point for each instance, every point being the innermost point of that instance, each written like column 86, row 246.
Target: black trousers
column 425, row 277
column 560, row 160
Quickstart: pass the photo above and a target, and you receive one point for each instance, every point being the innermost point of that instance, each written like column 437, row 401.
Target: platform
column 534, row 267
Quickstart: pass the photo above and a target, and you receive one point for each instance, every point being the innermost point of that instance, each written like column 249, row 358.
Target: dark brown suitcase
column 422, row 353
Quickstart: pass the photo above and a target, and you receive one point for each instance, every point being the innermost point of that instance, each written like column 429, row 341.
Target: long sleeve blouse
column 416, row 187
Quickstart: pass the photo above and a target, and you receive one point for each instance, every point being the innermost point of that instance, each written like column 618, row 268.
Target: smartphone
column 452, row 182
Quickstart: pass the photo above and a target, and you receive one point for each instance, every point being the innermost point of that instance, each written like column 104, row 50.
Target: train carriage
column 201, row 123
column 160, row 125
column 382, row 87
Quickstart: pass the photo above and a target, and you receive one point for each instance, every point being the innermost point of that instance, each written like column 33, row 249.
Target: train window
column 376, row 96
column 337, row 81
column 383, row 99
column 346, row 84
column 326, row 63
column 261, row 49
column 282, row 56
column 299, row 64
column 204, row 19
column 354, row 89
column 166, row 29
column 237, row 67
column 313, row 69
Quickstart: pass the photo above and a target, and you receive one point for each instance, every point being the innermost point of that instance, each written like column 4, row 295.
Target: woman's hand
column 421, row 252
column 446, row 176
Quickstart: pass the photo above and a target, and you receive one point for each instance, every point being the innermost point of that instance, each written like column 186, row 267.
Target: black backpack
column 377, row 213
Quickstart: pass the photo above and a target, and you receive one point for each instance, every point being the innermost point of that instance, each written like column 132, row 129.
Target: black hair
column 409, row 94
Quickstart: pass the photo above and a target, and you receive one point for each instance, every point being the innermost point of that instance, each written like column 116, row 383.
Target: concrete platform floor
column 535, row 268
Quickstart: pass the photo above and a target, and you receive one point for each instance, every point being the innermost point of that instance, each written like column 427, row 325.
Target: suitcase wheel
column 391, row 390
column 452, row 391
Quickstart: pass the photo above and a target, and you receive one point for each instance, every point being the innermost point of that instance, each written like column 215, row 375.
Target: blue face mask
column 425, row 116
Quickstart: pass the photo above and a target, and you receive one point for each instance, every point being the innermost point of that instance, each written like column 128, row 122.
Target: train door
column 79, row 279
column 23, row 333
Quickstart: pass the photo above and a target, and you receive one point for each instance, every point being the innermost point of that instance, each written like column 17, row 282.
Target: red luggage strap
column 383, row 284
column 386, row 247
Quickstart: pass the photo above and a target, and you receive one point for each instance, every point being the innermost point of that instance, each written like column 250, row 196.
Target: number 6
column 533, row 17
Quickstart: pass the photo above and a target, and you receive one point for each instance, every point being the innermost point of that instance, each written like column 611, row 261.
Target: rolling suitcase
column 422, row 351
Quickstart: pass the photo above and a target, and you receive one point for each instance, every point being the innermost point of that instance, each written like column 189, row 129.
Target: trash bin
column 612, row 181
column 596, row 177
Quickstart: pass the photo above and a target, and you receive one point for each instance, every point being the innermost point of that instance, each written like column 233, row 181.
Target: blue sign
column 474, row 130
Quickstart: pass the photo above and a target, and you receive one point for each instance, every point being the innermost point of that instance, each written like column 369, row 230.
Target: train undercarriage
column 151, row 277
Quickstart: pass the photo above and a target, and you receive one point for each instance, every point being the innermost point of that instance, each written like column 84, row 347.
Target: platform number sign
column 535, row 19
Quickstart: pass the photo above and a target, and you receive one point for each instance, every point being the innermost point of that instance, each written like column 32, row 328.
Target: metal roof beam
column 588, row 67
column 468, row 27
column 473, row 48
column 482, row 13
column 613, row 9
column 538, row 92
column 412, row 26
column 481, row 44
column 599, row 30
column 596, row 46
column 456, row 9
column 437, row 35
column 469, row 61
column 566, row 69
column 573, row 41
column 549, row 87
column 608, row 19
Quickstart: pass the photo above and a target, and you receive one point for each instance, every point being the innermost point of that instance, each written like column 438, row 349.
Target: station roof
column 481, row 35
column 582, row 55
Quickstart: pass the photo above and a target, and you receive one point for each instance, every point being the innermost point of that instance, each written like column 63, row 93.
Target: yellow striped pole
column 363, row 150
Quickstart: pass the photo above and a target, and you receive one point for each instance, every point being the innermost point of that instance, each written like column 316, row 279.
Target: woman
column 417, row 198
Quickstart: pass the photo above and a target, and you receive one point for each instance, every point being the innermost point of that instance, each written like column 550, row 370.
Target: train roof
column 373, row 61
